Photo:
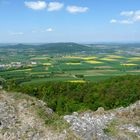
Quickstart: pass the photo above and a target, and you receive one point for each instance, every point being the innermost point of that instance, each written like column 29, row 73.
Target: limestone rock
column 103, row 125
column 19, row 121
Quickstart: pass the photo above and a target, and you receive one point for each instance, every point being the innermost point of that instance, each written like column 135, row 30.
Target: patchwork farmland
column 28, row 65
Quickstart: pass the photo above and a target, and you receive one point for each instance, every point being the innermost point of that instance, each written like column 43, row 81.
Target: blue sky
column 69, row 21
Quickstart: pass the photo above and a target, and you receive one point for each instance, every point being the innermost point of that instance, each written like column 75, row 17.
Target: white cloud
column 131, row 17
column 49, row 30
column 16, row 33
column 38, row 5
column 136, row 16
column 121, row 21
column 125, row 22
column 43, row 30
column 55, row 6
column 113, row 21
column 127, row 13
column 76, row 9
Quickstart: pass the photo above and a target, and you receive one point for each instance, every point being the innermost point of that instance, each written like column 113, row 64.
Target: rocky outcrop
column 90, row 126
column 117, row 124
column 19, row 120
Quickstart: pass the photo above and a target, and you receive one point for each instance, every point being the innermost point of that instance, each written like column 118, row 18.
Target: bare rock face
column 117, row 124
column 90, row 126
column 19, row 121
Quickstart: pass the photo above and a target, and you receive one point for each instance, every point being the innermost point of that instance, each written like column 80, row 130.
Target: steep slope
column 19, row 119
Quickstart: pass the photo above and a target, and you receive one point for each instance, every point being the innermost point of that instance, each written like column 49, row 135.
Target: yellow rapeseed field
column 23, row 70
column 77, row 81
column 73, row 63
column 39, row 58
column 115, row 56
column 89, row 58
column 94, row 62
column 129, row 64
column 47, row 64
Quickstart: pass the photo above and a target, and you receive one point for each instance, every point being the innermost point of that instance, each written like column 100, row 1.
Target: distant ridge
column 54, row 47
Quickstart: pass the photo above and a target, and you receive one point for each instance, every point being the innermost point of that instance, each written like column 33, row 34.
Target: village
column 16, row 65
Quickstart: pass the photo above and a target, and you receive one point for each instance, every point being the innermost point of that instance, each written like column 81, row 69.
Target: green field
column 36, row 65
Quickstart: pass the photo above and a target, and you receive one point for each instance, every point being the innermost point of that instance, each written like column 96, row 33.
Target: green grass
column 60, row 71
column 42, row 80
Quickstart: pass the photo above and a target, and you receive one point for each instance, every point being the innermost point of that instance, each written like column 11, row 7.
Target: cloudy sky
column 69, row 21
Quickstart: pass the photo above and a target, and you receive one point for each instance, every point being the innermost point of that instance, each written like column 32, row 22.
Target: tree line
column 66, row 97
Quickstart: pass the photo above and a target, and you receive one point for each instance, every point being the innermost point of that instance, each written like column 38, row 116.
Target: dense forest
column 66, row 97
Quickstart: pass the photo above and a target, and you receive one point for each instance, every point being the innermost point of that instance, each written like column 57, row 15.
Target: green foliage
column 65, row 97
column 107, row 130
column 55, row 121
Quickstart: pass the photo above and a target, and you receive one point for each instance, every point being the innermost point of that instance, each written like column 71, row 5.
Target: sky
column 42, row 21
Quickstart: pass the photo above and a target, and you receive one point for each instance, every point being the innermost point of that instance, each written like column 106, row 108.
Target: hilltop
column 51, row 47
column 25, row 118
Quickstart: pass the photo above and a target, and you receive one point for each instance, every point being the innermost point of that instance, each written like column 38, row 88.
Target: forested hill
column 52, row 47
column 65, row 47
column 70, row 47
